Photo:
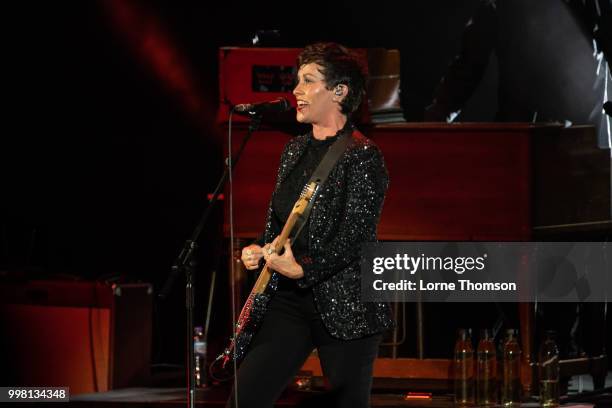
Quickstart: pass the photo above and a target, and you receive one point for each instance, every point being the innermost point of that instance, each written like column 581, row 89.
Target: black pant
column 291, row 329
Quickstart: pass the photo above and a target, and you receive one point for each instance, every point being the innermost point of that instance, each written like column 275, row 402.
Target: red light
column 417, row 396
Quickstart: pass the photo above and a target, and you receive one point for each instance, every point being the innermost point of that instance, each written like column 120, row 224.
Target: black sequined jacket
column 345, row 213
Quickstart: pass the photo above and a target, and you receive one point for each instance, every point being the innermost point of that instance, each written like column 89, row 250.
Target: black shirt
column 289, row 192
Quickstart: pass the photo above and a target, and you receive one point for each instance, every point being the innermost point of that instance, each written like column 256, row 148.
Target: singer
column 317, row 302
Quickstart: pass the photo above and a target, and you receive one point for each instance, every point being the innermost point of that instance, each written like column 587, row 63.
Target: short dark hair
column 340, row 66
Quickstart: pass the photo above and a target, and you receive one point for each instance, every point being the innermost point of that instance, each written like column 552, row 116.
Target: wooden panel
column 254, row 178
column 58, row 346
column 456, row 182
column 90, row 336
column 448, row 182
column 489, row 182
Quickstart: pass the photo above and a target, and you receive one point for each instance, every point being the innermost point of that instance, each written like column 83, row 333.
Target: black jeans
column 291, row 329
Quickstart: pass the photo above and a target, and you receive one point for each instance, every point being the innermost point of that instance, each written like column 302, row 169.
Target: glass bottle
column 199, row 349
column 486, row 370
column 464, row 368
column 549, row 371
column 511, row 391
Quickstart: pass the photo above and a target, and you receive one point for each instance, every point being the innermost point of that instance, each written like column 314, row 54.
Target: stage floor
column 217, row 395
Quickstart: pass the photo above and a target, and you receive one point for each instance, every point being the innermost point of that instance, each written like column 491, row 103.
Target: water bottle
column 464, row 368
column 511, row 381
column 199, row 349
column 486, row 370
column 549, row 371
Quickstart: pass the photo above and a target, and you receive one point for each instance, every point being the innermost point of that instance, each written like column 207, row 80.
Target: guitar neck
column 266, row 272
column 296, row 212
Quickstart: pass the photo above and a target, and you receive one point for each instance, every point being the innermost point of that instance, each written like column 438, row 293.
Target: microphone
column 277, row 105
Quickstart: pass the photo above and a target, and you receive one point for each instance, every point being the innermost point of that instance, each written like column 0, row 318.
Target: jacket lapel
column 292, row 158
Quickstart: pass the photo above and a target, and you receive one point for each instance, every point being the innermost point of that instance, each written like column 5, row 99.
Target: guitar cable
column 232, row 263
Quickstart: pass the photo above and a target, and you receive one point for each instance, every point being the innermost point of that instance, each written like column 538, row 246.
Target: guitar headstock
column 309, row 190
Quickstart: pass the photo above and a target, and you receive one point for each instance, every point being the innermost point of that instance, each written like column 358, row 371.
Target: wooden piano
column 470, row 181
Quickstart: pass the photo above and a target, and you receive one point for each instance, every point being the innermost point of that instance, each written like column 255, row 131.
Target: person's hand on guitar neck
column 284, row 263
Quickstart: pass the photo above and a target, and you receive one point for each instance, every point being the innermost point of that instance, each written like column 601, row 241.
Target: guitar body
column 249, row 321
column 254, row 309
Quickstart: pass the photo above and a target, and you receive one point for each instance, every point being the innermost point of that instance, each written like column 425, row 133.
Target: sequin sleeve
column 366, row 184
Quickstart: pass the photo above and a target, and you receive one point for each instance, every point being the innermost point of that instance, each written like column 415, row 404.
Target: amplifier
column 89, row 336
column 250, row 75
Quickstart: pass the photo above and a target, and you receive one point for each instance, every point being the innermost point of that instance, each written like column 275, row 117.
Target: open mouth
column 301, row 105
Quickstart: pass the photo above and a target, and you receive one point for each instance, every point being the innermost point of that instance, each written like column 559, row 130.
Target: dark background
column 109, row 170
column 110, row 161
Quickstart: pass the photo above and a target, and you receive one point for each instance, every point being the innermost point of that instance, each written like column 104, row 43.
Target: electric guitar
column 254, row 309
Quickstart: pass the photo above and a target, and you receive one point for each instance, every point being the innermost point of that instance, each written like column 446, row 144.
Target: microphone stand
column 184, row 262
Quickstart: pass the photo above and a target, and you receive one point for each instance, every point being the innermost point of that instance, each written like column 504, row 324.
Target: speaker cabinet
column 90, row 336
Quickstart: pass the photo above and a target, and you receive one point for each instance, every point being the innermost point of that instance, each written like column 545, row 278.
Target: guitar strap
column 319, row 176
